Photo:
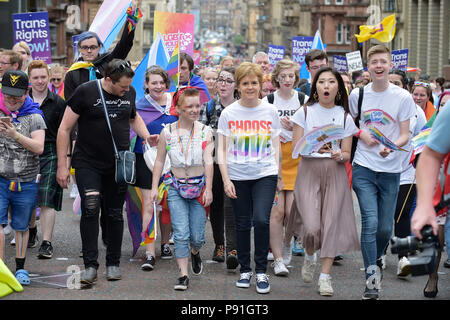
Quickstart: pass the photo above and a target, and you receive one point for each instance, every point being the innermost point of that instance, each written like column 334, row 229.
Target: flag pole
column 179, row 52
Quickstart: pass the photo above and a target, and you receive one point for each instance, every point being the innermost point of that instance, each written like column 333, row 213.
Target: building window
column 339, row 1
column 339, row 33
column 348, row 34
column 389, row 5
column 327, row 1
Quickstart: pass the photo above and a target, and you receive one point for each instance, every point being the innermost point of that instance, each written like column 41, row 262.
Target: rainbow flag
column 380, row 137
column 173, row 68
column 151, row 232
column 315, row 139
column 419, row 142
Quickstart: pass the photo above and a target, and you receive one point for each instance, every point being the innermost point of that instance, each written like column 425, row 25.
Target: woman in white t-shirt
column 322, row 214
column 248, row 156
column 285, row 77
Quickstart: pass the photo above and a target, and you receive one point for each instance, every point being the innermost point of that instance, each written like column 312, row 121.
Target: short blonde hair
column 24, row 46
column 379, row 48
column 247, row 69
column 225, row 59
column 281, row 65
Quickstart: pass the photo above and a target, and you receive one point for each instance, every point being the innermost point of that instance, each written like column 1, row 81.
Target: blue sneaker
column 297, row 249
column 262, row 283
column 244, row 280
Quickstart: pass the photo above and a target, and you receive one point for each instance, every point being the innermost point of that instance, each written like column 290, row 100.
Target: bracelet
column 358, row 134
column 18, row 137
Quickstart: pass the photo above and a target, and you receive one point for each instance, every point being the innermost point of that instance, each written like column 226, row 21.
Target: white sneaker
column 7, row 230
column 13, row 241
column 383, row 262
column 308, row 270
column 287, row 252
column 404, row 267
column 74, row 192
column 325, row 288
column 244, row 280
column 270, row 256
column 279, row 268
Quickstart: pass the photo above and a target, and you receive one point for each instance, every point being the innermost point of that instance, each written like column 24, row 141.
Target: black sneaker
column 33, row 237
column 370, row 294
column 196, row 263
column 149, row 263
column 218, row 254
column 46, row 250
column 232, row 260
column 166, row 253
column 182, row 283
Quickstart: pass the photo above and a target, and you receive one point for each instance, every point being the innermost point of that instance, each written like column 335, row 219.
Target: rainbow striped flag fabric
column 173, row 67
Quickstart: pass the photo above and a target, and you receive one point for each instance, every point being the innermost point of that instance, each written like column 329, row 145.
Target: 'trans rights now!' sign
column 33, row 28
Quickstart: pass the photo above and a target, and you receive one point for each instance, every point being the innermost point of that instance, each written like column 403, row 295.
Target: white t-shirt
column 384, row 111
column 286, row 108
column 317, row 116
column 416, row 124
column 250, row 131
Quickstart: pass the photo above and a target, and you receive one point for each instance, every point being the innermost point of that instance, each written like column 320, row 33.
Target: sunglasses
column 423, row 84
column 124, row 65
column 55, row 79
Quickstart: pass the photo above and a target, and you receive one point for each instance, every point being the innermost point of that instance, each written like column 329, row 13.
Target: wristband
column 358, row 134
column 18, row 137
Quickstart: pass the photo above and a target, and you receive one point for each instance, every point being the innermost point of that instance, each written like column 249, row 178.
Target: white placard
column 354, row 61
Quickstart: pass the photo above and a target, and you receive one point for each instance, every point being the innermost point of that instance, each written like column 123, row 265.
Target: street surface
column 214, row 284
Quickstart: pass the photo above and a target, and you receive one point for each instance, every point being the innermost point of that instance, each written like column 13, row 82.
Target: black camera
column 425, row 262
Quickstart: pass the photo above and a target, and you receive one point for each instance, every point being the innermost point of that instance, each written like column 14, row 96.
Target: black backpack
column 301, row 98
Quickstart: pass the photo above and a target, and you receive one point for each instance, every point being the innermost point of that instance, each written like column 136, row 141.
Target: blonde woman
column 24, row 50
column 248, row 156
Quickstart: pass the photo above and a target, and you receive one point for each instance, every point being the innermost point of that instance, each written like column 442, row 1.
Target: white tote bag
column 150, row 158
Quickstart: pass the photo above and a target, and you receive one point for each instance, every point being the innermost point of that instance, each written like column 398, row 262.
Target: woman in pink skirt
column 322, row 215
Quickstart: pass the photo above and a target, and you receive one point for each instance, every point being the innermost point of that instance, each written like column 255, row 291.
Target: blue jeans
column 254, row 201
column 188, row 219
column 377, row 196
column 22, row 204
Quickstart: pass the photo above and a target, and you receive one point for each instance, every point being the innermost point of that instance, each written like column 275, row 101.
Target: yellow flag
column 383, row 31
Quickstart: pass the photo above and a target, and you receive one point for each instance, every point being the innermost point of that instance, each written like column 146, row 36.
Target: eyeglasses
column 225, row 81
column 55, row 79
column 89, row 48
column 423, row 84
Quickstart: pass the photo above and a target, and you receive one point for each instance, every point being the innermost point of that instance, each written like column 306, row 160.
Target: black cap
column 15, row 83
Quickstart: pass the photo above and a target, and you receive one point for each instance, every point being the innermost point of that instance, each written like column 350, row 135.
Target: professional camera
column 425, row 262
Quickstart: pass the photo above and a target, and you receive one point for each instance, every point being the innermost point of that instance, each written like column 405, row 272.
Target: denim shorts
column 22, row 204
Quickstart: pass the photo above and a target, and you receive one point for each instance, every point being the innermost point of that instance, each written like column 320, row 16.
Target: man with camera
column 94, row 159
column 429, row 171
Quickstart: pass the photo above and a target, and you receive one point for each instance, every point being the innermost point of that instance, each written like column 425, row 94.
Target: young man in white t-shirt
column 377, row 168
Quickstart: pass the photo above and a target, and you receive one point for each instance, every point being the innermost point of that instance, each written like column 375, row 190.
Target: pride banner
column 33, row 28
column 170, row 26
column 340, row 63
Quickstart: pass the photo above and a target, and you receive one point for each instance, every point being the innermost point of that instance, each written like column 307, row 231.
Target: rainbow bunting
column 315, row 139
column 380, row 137
column 173, row 67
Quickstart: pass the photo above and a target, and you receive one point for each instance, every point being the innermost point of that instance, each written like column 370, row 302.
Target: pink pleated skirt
column 322, row 214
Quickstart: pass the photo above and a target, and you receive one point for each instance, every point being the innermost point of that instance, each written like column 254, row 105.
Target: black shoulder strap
column 360, row 100
column 270, row 98
column 304, row 109
column 301, row 97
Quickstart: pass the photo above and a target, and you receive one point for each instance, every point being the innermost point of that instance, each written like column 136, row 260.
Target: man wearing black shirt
column 93, row 159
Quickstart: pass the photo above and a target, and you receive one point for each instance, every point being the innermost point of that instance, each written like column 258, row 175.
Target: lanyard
column 187, row 147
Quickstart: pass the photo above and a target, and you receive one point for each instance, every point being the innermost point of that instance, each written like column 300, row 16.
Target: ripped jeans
column 95, row 188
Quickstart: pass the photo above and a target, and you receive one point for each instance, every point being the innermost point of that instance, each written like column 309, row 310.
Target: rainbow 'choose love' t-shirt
column 250, row 133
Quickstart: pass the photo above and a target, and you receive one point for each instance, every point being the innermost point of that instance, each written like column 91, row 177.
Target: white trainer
column 279, row 268
column 404, row 267
column 308, row 270
column 287, row 252
column 325, row 288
